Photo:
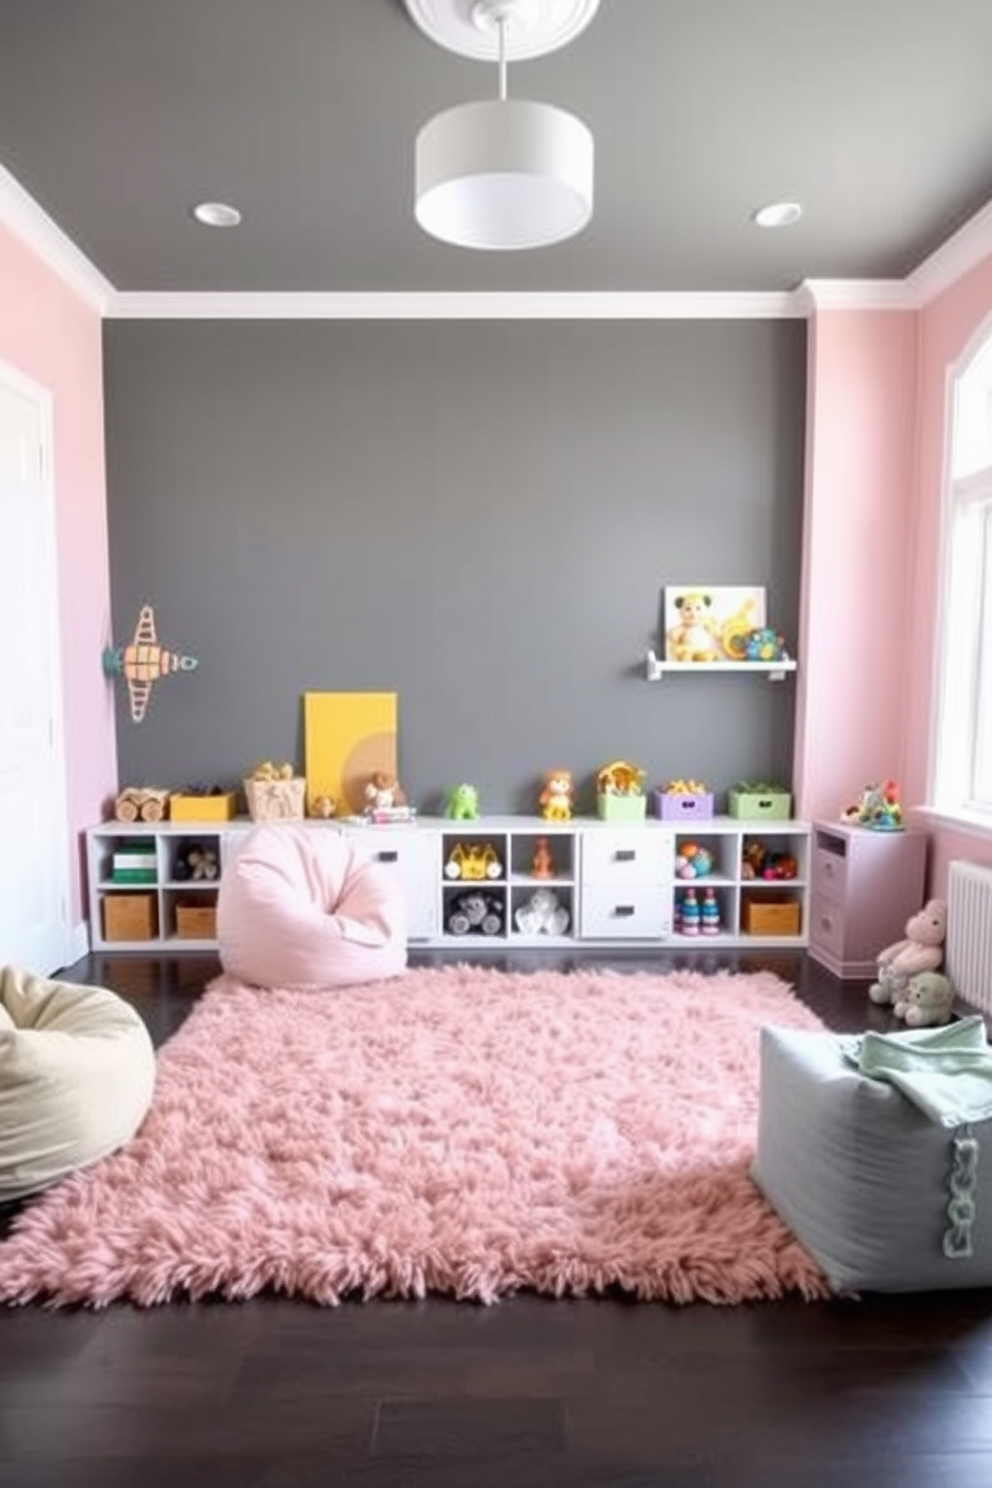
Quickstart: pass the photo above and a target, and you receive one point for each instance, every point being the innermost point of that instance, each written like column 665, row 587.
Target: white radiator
column 968, row 947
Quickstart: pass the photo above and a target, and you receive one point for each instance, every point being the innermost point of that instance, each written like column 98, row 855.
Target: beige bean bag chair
column 77, row 1072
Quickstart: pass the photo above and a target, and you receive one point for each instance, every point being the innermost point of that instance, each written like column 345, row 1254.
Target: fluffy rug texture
column 454, row 1130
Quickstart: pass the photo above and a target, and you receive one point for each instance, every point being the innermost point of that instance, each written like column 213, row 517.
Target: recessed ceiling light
column 217, row 214
column 778, row 214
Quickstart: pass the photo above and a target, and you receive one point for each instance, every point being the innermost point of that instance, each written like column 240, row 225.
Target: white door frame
column 15, row 380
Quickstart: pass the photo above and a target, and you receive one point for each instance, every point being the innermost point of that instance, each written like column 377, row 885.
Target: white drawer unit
column 625, row 911
column 629, row 856
column 413, row 857
column 537, row 884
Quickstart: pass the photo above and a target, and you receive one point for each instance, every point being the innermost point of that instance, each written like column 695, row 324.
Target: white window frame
column 960, row 786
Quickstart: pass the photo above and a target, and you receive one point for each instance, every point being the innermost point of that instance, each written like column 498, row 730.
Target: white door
column 35, row 932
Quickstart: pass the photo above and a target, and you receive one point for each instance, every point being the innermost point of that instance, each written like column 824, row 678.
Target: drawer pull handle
column 625, row 854
column 624, row 909
column 387, row 857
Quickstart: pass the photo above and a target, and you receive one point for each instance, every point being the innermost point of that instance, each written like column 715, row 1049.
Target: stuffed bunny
column 922, row 950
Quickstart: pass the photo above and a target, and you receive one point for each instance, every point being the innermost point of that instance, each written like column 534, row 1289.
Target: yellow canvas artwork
column 347, row 736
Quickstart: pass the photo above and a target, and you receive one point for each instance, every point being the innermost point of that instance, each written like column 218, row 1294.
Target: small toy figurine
column 555, row 799
column 383, row 791
column 543, row 865
column 877, row 808
column 463, row 803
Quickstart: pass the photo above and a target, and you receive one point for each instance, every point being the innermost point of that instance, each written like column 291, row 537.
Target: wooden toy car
column 144, row 803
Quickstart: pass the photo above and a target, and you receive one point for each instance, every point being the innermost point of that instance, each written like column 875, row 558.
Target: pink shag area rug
column 457, row 1130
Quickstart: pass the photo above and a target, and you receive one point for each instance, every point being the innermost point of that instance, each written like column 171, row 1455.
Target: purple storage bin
column 673, row 806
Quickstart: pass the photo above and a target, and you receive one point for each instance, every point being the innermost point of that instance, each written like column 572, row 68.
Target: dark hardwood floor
column 889, row 1392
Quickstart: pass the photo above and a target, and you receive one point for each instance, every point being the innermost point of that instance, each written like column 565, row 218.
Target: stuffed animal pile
column 908, row 976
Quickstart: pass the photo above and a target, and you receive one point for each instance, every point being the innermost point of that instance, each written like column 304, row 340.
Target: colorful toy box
column 756, row 801
column 613, row 808
column 684, row 806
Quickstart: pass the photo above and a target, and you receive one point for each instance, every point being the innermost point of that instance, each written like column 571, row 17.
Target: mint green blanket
column 947, row 1071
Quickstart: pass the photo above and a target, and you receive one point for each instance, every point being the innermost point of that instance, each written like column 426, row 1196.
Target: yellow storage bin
column 204, row 808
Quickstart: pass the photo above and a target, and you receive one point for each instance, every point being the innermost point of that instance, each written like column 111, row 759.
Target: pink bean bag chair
column 308, row 908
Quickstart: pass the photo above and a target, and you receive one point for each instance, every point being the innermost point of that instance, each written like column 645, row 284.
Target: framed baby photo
column 711, row 622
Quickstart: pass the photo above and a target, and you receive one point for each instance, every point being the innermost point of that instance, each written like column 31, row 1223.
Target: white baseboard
column 79, row 942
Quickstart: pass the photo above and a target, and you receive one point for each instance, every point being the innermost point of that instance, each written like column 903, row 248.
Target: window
column 962, row 765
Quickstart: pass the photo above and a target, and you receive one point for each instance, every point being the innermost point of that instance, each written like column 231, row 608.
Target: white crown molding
column 968, row 247
column 855, row 294
column 961, row 253
column 444, row 306
column 22, row 215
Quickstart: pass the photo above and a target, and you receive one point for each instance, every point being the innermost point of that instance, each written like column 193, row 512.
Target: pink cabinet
column 865, row 885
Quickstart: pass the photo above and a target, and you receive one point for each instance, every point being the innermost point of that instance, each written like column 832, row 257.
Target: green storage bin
column 621, row 808
column 757, row 803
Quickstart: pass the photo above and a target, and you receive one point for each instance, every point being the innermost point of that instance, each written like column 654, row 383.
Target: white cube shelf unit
column 616, row 882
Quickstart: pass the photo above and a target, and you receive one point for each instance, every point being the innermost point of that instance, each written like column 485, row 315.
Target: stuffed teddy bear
column 542, row 914
column 926, row 1001
column 922, row 950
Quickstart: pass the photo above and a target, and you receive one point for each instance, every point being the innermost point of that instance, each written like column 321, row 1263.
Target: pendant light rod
column 501, row 23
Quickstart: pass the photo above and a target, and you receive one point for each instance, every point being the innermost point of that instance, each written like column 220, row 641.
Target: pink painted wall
column 48, row 333
column 947, row 326
column 856, row 584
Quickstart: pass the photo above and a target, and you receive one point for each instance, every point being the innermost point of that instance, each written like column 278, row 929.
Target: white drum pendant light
column 504, row 174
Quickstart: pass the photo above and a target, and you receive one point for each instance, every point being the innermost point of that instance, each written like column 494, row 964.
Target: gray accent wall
column 479, row 515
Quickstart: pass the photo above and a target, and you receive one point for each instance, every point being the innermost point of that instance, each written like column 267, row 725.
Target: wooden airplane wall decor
column 144, row 662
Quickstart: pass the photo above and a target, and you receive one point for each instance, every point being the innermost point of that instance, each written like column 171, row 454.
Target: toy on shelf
column 710, row 922
column 764, row 644
column 693, row 861
column 690, row 914
column 385, row 799
column 542, row 914
column 555, row 799
column 542, row 864
column 621, row 778
column 145, row 803
column 694, row 636
column 683, row 800
column 922, row 949
column 323, row 807
column 878, row 808
column 274, row 793
column 620, row 792
column 143, row 662
column 481, row 913
column 195, row 863
column 758, row 860
column 473, row 860
column 463, row 803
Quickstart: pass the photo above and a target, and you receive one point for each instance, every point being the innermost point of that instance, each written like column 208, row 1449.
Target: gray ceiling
column 118, row 115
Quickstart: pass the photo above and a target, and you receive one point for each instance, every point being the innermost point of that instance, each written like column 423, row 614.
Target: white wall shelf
column 655, row 669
